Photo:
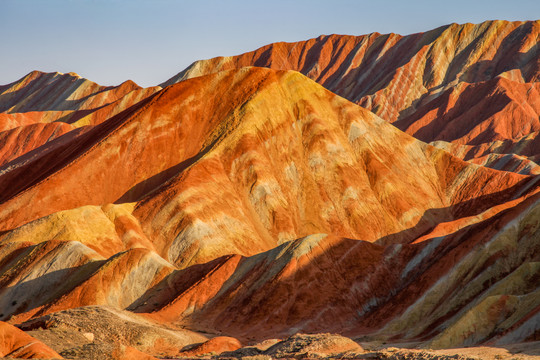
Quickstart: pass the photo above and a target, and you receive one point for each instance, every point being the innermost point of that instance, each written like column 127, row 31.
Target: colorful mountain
column 273, row 193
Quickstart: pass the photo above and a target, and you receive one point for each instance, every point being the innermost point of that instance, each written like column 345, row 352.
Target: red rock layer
column 526, row 145
column 15, row 343
column 215, row 345
column 40, row 91
column 477, row 113
column 21, row 140
column 462, row 285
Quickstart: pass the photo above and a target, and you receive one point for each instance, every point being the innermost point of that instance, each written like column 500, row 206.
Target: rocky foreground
column 74, row 344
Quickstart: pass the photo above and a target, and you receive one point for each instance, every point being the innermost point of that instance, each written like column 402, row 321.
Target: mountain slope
column 41, row 107
column 465, row 83
column 263, row 164
column 476, row 284
column 17, row 344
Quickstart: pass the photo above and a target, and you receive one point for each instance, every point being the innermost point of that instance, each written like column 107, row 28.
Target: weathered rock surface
column 255, row 203
column 41, row 107
column 444, row 283
column 318, row 346
column 112, row 330
column 214, row 346
column 241, row 178
column 46, row 97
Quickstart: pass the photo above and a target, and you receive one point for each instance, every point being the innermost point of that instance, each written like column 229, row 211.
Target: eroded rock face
column 256, row 203
column 241, row 179
column 396, row 291
column 467, row 84
column 318, row 345
column 15, row 343
column 41, row 107
column 320, row 164
column 214, row 346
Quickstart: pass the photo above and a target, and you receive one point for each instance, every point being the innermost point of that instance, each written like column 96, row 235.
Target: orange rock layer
column 16, row 343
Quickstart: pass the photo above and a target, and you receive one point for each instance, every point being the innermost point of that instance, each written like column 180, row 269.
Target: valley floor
column 76, row 344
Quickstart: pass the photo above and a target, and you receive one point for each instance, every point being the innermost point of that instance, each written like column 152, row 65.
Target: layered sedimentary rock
column 15, row 343
column 468, row 84
column 500, row 155
column 255, row 203
column 46, row 97
column 104, row 332
column 262, row 165
column 41, row 107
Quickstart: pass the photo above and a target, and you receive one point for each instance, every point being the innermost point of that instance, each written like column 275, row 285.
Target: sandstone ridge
column 252, row 202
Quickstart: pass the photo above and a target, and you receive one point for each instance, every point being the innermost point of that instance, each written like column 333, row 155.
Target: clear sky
column 149, row 41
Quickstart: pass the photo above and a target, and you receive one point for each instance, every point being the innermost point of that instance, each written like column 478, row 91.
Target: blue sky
column 149, row 41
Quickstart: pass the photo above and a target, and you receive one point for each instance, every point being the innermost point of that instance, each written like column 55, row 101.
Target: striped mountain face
column 290, row 189
column 464, row 84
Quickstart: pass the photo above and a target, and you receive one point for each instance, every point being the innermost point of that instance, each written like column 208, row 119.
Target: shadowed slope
column 318, row 164
column 527, row 146
column 23, row 139
column 477, row 113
